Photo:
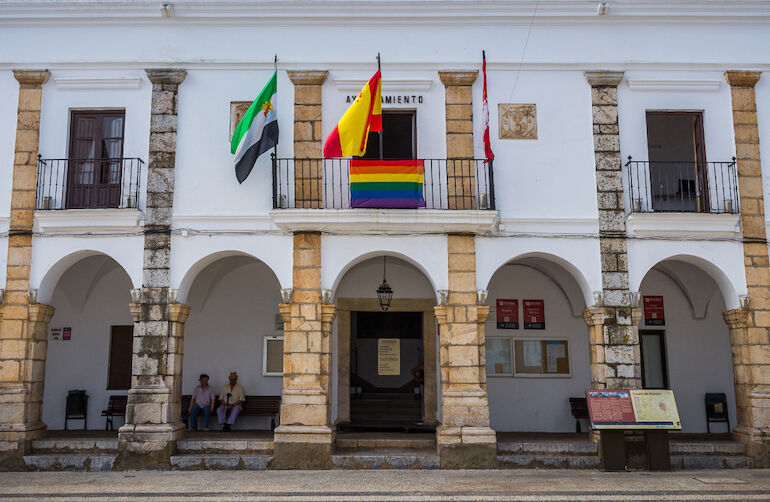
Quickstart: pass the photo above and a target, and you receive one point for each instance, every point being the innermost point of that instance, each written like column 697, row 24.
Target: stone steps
column 75, row 446
column 386, row 458
column 221, row 462
column 355, row 444
column 548, row 454
column 708, row 455
column 247, row 447
column 70, row 462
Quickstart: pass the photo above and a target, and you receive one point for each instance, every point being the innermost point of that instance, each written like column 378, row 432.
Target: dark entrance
column 398, row 137
column 386, row 394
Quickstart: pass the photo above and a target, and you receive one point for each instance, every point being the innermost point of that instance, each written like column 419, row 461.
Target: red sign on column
column 507, row 313
column 534, row 314
column 653, row 311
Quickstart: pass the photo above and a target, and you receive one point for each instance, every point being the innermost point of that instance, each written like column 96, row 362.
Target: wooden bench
column 579, row 409
column 116, row 407
column 255, row 406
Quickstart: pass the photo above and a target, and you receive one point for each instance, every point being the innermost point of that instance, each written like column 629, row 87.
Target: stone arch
column 193, row 272
column 51, row 278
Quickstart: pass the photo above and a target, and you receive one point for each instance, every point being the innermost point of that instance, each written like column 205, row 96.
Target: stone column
column 464, row 437
column 620, row 366
column 750, row 329
column 22, row 362
column 308, row 138
column 305, row 437
column 152, row 417
column 461, row 172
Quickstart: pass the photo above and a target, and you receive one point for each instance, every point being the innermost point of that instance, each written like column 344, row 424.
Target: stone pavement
column 491, row 485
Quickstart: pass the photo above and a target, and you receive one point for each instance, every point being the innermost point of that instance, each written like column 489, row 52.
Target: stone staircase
column 78, row 454
column 230, row 454
column 385, row 451
column 547, row 453
column 694, row 454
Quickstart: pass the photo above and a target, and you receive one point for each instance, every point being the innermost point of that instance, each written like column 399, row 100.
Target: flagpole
column 275, row 147
column 380, row 84
column 275, row 69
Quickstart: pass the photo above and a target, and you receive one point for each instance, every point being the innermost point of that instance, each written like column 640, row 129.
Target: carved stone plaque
column 237, row 110
column 517, row 121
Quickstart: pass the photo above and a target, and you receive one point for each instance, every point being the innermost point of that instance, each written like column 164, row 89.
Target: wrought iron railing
column 682, row 187
column 88, row 183
column 325, row 184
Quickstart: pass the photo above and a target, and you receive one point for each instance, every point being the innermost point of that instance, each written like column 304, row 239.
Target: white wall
column 537, row 403
column 90, row 297
column 233, row 303
column 698, row 349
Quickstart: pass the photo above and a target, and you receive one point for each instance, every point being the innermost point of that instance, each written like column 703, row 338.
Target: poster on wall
column 507, row 314
column 534, row 314
column 389, row 356
column 55, row 333
column 653, row 311
column 66, row 333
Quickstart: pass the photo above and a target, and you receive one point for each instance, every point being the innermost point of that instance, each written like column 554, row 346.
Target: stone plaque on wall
column 237, row 111
column 517, row 121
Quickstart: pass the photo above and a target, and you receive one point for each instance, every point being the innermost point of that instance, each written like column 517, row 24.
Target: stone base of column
column 467, row 447
column 15, row 433
column 147, row 446
column 302, row 447
column 757, row 439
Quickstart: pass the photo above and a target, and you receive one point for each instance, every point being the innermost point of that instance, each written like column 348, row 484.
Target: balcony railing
column 325, row 184
column 88, row 183
column 682, row 187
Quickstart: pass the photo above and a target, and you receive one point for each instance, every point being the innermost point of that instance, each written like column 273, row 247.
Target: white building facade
column 627, row 171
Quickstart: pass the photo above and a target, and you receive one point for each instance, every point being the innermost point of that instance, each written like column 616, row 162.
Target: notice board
column 507, row 314
column 633, row 409
column 541, row 357
column 389, row 356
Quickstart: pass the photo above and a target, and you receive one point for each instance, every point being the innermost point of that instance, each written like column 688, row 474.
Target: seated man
column 203, row 399
column 232, row 399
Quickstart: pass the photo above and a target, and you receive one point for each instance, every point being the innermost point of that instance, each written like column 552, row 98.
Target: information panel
column 534, row 314
column 507, row 313
column 389, row 356
column 654, row 315
column 633, row 409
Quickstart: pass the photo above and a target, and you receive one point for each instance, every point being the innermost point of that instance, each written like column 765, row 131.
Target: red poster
column 653, row 311
column 534, row 314
column 610, row 407
column 507, row 313
column 66, row 333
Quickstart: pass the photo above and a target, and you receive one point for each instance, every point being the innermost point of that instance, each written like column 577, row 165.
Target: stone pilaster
column 305, row 437
column 21, row 362
column 308, row 137
column 750, row 329
column 464, row 437
column 620, row 365
column 461, row 172
column 152, row 416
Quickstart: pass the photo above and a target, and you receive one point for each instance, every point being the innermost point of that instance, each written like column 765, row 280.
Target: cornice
column 72, row 84
column 652, row 85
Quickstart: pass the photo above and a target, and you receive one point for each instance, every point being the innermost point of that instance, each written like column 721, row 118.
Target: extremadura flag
column 387, row 183
column 257, row 132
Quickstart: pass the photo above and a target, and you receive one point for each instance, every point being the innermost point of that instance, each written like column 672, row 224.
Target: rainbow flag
column 387, row 183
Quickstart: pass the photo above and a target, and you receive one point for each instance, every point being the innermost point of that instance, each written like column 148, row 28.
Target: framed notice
column 272, row 356
column 66, row 333
column 534, row 314
column 654, row 315
column 389, row 356
column 507, row 314
column 541, row 358
column 633, row 409
column 499, row 355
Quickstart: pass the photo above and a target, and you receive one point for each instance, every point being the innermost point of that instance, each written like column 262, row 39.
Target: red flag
column 485, row 111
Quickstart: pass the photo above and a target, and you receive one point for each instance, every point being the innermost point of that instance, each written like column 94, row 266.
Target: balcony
column 88, row 183
column 449, row 184
column 682, row 187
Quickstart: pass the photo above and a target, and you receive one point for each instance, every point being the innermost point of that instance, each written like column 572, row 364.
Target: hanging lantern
column 384, row 292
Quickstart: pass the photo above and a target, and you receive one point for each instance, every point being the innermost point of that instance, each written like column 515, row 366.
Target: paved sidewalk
column 511, row 485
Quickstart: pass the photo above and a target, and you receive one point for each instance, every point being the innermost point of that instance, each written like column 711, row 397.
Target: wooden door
column 95, row 167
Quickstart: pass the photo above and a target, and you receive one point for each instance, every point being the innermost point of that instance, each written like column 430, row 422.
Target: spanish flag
column 364, row 116
column 387, row 183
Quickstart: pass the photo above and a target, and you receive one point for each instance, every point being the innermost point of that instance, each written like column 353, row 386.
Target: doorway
column 654, row 364
column 399, row 141
column 387, row 371
column 677, row 155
